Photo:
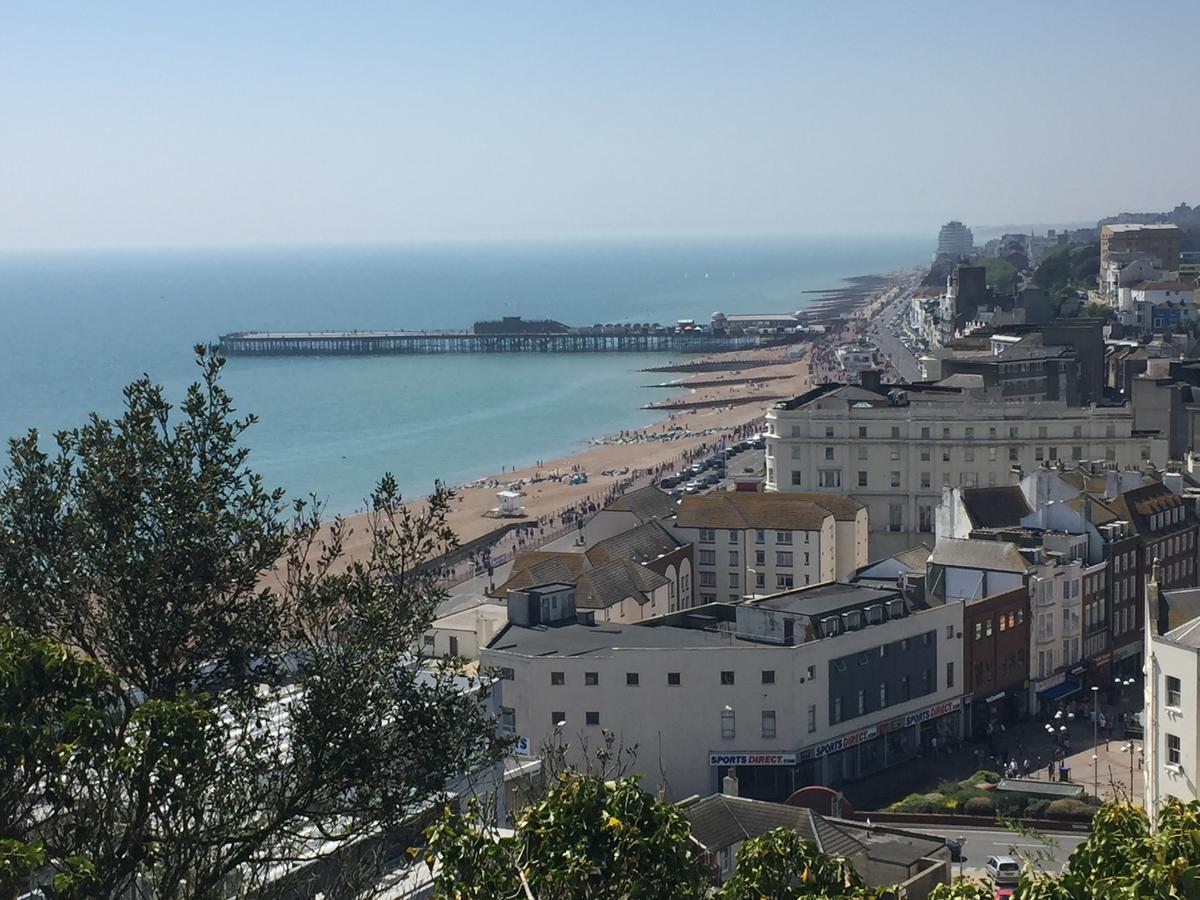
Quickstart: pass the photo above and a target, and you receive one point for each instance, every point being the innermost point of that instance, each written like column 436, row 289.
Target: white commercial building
column 823, row 685
column 895, row 448
column 954, row 240
column 751, row 543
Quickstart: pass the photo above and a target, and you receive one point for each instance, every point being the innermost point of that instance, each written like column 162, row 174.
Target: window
column 558, row 678
column 895, row 454
column 708, row 579
column 1041, row 432
column 925, row 518
column 945, row 454
column 1076, row 431
column 1014, row 432
column 969, row 454
column 1173, row 754
column 783, row 582
column 949, row 674
column 927, row 681
column 835, row 715
column 631, row 679
column 806, row 553
column 735, row 580
column 591, row 718
column 978, row 631
column 768, row 723
column 829, row 453
column 829, row 478
column 862, row 479
column 707, row 558
column 591, row 679
column 727, row 725
column 828, row 431
column 895, row 479
column 812, row 718
column 905, row 690
column 925, row 433
column 760, row 536
column 862, row 431
column 733, row 559
column 673, row 679
column 895, row 432
column 1014, row 454
column 945, row 434
column 949, row 632
column 797, row 480
column 895, row 517
column 924, row 454
column 783, row 537
column 733, row 537
column 926, row 480
column 987, row 627
column 726, row 677
column 882, row 694
column 768, row 676
column 760, row 580
column 760, row 558
column 862, row 701
column 707, row 535
column 1174, row 689
column 1076, row 453
column 783, row 558
column 558, row 719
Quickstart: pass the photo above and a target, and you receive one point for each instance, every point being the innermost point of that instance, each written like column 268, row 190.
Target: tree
column 781, row 864
column 251, row 702
column 963, row 889
column 587, row 838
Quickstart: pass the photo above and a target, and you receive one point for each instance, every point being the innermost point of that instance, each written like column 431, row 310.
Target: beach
column 727, row 401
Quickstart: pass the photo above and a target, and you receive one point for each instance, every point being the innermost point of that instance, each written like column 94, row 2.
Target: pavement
column 891, row 346
column 1046, row 853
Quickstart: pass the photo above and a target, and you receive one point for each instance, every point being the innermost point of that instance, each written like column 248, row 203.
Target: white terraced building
column 895, row 448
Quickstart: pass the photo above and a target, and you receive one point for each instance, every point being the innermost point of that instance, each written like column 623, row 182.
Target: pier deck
column 367, row 343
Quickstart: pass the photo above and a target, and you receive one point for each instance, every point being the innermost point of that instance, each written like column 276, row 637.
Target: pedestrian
column 1050, row 770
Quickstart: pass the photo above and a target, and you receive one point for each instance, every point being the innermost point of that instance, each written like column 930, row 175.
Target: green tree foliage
column 1121, row 859
column 586, row 838
column 781, row 864
column 1072, row 267
column 198, row 686
column 1097, row 311
column 963, row 889
column 1001, row 275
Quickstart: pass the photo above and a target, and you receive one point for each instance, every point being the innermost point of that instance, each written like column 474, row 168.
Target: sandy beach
column 727, row 402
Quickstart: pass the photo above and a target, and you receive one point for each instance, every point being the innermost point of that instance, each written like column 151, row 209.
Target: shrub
column 983, row 776
column 1036, row 809
column 1071, row 810
column 979, row 806
column 921, row 803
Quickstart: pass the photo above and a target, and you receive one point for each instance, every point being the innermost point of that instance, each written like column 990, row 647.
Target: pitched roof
column 1141, row 503
column 1181, row 607
column 995, row 507
column 1186, row 635
column 646, row 503
column 742, row 509
column 644, row 542
column 996, row 556
column 915, row 559
column 615, row 581
column 721, row 820
column 844, row 507
column 540, row 567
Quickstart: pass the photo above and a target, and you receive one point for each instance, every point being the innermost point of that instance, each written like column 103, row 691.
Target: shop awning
column 1059, row 691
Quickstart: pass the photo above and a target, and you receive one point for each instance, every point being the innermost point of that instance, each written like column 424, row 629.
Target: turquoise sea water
column 76, row 326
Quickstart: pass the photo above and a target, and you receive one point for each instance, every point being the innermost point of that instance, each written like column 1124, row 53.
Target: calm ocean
column 77, row 326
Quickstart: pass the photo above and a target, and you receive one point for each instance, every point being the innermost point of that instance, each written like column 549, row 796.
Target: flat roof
column 822, row 599
column 1142, row 226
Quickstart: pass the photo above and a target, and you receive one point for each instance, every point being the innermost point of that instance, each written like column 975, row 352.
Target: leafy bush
column 1036, row 808
column 921, row 803
column 983, row 776
column 1070, row 810
column 979, row 806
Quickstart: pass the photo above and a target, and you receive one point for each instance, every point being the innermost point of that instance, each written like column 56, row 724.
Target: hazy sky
column 266, row 122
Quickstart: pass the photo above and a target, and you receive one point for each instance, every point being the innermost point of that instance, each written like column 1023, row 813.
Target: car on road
column 694, row 487
column 1003, row 869
column 1006, row 892
column 712, row 478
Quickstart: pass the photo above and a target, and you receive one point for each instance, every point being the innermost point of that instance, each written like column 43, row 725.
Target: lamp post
column 962, row 843
column 1096, row 740
column 1129, row 747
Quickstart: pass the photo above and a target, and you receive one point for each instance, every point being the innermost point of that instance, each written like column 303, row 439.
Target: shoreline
column 632, row 457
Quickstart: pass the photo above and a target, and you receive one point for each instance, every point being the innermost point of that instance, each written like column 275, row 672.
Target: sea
column 77, row 326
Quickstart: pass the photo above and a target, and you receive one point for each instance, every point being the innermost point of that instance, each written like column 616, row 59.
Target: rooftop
column 1140, row 226
column 993, row 507
column 646, row 503
column 644, row 542
column 996, row 556
column 822, row 599
column 738, row 510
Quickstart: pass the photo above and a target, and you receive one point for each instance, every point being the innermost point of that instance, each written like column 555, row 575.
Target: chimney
column 1112, row 484
column 1173, row 481
column 871, row 379
column 729, row 785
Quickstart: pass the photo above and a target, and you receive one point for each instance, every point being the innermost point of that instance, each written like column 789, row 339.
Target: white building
column 750, row 543
column 1157, row 305
column 462, row 633
column 1123, row 270
column 1171, row 742
column 895, row 448
column 955, row 240
column 823, row 685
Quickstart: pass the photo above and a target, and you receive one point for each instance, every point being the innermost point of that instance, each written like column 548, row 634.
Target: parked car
column 668, row 482
column 694, row 487
column 712, row 478
column 1003, row 869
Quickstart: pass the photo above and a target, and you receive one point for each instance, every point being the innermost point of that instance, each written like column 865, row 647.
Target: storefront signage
column 931, row 712
column 1078, row 670
column 995, row 697
column 1103, row 661
column 752, row 759
column 845, row 742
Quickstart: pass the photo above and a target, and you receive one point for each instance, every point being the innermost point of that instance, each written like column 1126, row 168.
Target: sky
column 230, row 123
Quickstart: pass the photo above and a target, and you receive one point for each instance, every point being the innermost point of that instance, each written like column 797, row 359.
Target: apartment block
column 754, row 544
column 822, row 685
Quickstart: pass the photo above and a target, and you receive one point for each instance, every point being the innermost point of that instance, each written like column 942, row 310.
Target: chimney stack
column 729, row 784
column 871, row 379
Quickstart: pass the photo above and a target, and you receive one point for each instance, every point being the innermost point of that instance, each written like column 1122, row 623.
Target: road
column 890, row 345
column 1047, row 852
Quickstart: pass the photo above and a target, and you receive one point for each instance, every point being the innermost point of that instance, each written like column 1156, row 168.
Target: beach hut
column 510, row 505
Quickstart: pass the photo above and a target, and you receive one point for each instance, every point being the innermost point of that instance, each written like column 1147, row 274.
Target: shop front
column 988, row 712
column 1127, row 660
column 871, row 750
column 762, row 776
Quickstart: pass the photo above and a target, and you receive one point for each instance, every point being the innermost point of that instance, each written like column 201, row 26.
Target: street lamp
column 1096, row 740
column 962, row 842
column 1129, row 747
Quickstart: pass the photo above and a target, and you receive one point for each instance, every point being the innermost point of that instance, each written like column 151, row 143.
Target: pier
column 381, row 343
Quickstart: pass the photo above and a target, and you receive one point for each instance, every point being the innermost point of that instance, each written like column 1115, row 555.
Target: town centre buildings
column 896, row 447
column 823, row 685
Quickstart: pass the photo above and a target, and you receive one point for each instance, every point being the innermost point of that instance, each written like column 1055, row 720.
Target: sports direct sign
column 752, row 759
